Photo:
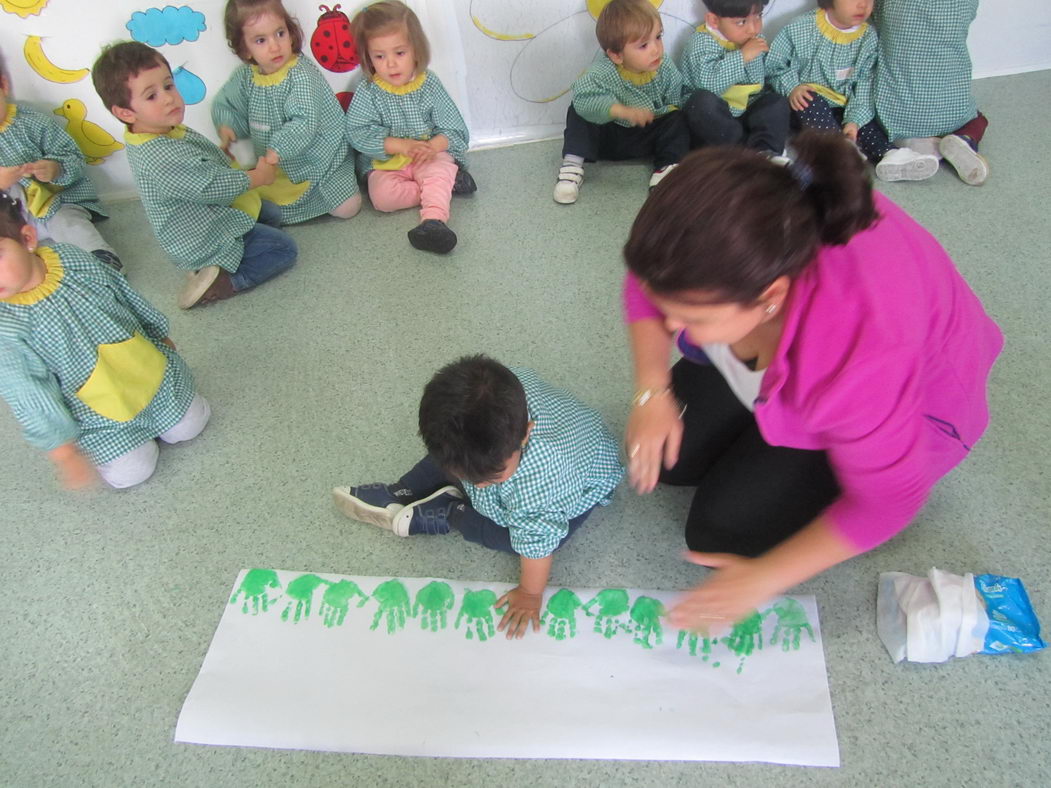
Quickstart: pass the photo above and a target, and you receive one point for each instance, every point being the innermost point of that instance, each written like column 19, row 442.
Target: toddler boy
column 625, row 105
column 532, row 461
column 200, row 207
column 724, row 64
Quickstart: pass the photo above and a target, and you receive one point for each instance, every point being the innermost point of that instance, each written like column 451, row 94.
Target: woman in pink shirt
column 834, row 365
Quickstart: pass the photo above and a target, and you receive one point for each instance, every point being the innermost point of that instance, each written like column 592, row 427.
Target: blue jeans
column 268, row 251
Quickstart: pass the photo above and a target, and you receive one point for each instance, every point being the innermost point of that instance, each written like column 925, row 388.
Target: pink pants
column 428, row 185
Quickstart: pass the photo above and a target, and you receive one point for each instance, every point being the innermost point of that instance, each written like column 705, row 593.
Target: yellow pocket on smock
column 282, row 191
column 396, row 162
column 126, row 378
column 738, row 95
column 39, row 197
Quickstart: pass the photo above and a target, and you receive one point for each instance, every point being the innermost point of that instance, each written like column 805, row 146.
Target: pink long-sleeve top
column 883, row 363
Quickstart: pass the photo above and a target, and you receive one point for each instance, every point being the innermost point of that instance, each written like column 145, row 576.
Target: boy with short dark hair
column 203, row 210
column 532, row 461
column 625, row 106
column 724, row 66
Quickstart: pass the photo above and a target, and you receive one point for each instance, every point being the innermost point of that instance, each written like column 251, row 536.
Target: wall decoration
column 332, row 42
column 42, row 65
column 191, row 86
column 168, row 25
column 23, row 8
column 344, row 97
column 94, row 141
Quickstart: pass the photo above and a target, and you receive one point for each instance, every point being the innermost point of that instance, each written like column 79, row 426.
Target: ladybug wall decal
column 332, row 42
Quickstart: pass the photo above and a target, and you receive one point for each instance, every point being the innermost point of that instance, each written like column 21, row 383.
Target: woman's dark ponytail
column 840, row 188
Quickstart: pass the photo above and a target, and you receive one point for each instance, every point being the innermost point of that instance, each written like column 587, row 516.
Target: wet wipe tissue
column 933, row 618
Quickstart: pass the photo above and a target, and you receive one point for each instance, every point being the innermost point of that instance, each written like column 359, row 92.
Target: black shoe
column 464, row 183
column 432, row 235
column 110, row 259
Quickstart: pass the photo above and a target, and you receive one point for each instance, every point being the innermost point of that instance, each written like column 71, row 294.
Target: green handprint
column 393, row 602
column 706, row 644
column 646, row 614
column 255, row 588
column 336, row 601
column 612, row 604
column 477, row 608
column 300, row 594
column 562, row 608
column 745, row 637
column 434, row 600
column 791, row 621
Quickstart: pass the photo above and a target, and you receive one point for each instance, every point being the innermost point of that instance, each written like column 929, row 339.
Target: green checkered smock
column 294, row 112
column 52, row 339
column 418, row 110
column 839, row 64
column 27, row 135
column 605, row 84
column 923, row 79
column 569, row 465
column 187, row 186
column 708, row 63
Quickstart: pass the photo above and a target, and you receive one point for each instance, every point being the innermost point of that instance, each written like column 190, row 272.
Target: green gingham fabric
column 32, row 135
column 601, row 86
column 48, row 349
column 300, row 119
column 802, row 54
column 569, row 465
column 186, row 186
column 376, row 113
column 707, row 65
column 923, row 79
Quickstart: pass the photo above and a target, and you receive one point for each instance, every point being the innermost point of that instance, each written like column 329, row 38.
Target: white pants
column 70, row 224
column 137, row 465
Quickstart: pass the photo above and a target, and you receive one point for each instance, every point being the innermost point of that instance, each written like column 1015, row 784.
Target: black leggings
column 750, row 495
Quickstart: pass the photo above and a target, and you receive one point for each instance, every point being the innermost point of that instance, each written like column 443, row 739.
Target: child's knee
column 348, row 208
column 191, row 424
column 131, row 468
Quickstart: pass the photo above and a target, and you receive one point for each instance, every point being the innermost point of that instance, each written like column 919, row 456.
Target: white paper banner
column 415, row 667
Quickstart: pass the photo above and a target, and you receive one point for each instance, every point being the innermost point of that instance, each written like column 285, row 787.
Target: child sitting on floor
column 411, row 137
column 625, row 105
column 724, row 66
column 823, row 61
column 200, row 206
column 41, row 166
column 86, row 364
column 923, row 81
column 280, row 100
column 532, row 460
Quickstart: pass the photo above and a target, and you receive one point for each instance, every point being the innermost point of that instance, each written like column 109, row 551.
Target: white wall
column 507, row 87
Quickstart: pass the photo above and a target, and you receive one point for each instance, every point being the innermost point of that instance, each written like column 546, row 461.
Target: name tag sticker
column 844, row 73
column 265, row 127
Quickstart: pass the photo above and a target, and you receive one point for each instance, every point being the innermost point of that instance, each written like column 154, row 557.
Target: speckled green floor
column 110, row 599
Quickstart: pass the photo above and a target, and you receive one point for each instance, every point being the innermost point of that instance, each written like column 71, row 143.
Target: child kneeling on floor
column 86, row 364
column 532, row 461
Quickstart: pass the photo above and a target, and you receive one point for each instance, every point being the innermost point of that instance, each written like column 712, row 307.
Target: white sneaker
column 661, row 174
column 197, row 284
column 925, row 145
column 570, row 176
column 972, row 167
column 902, row 164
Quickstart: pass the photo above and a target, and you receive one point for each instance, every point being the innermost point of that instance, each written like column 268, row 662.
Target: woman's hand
column 653, row 438
column 737, row 587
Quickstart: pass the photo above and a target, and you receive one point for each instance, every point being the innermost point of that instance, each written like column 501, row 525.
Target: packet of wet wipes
column 1013, row 626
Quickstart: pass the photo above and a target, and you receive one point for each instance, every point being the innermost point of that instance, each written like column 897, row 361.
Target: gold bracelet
column 645, row 395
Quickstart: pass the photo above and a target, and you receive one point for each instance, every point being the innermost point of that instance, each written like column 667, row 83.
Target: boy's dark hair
column 239, row 12
column 119, row 63
column 473, row 417
column 728, row 221
column 624, row 21
column 735, row 9
column 12, row 220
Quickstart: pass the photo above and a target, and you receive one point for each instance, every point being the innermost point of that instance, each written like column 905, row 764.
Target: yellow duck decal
column 94, row 141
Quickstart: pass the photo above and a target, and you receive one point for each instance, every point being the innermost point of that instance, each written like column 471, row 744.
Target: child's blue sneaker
column 429, row 515
column 386, row 505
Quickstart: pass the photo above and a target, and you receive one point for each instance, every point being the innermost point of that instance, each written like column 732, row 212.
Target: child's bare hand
column 753, row 48
column 850, row 130
column 9, row 176
column 272, row 157
column 44, row 170
column 522, row 608
column 75, row 470
column 420, row 152
column 636, row 116
column 262, row 174
column 227, row 137
column 800, row 97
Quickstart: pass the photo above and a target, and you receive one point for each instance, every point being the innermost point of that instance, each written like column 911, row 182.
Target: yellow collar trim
column 267, row 80
column 724, row 43
column 12, row 110
column 52, row 278
column 637, row 78
column 137, row 138
column 400, row 90
column 834, row 34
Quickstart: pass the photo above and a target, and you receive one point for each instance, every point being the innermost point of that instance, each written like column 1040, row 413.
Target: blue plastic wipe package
column 1013, row 626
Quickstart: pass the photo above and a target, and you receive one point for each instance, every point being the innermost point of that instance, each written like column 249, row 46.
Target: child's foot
column 110, row 259
column 464, row 183
column 387, row 506
column 902, row 164
column 432, row 235
column 972, row 167
column 567, row 189
column 221, row 289
column 661, row 174
column 197, row 284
